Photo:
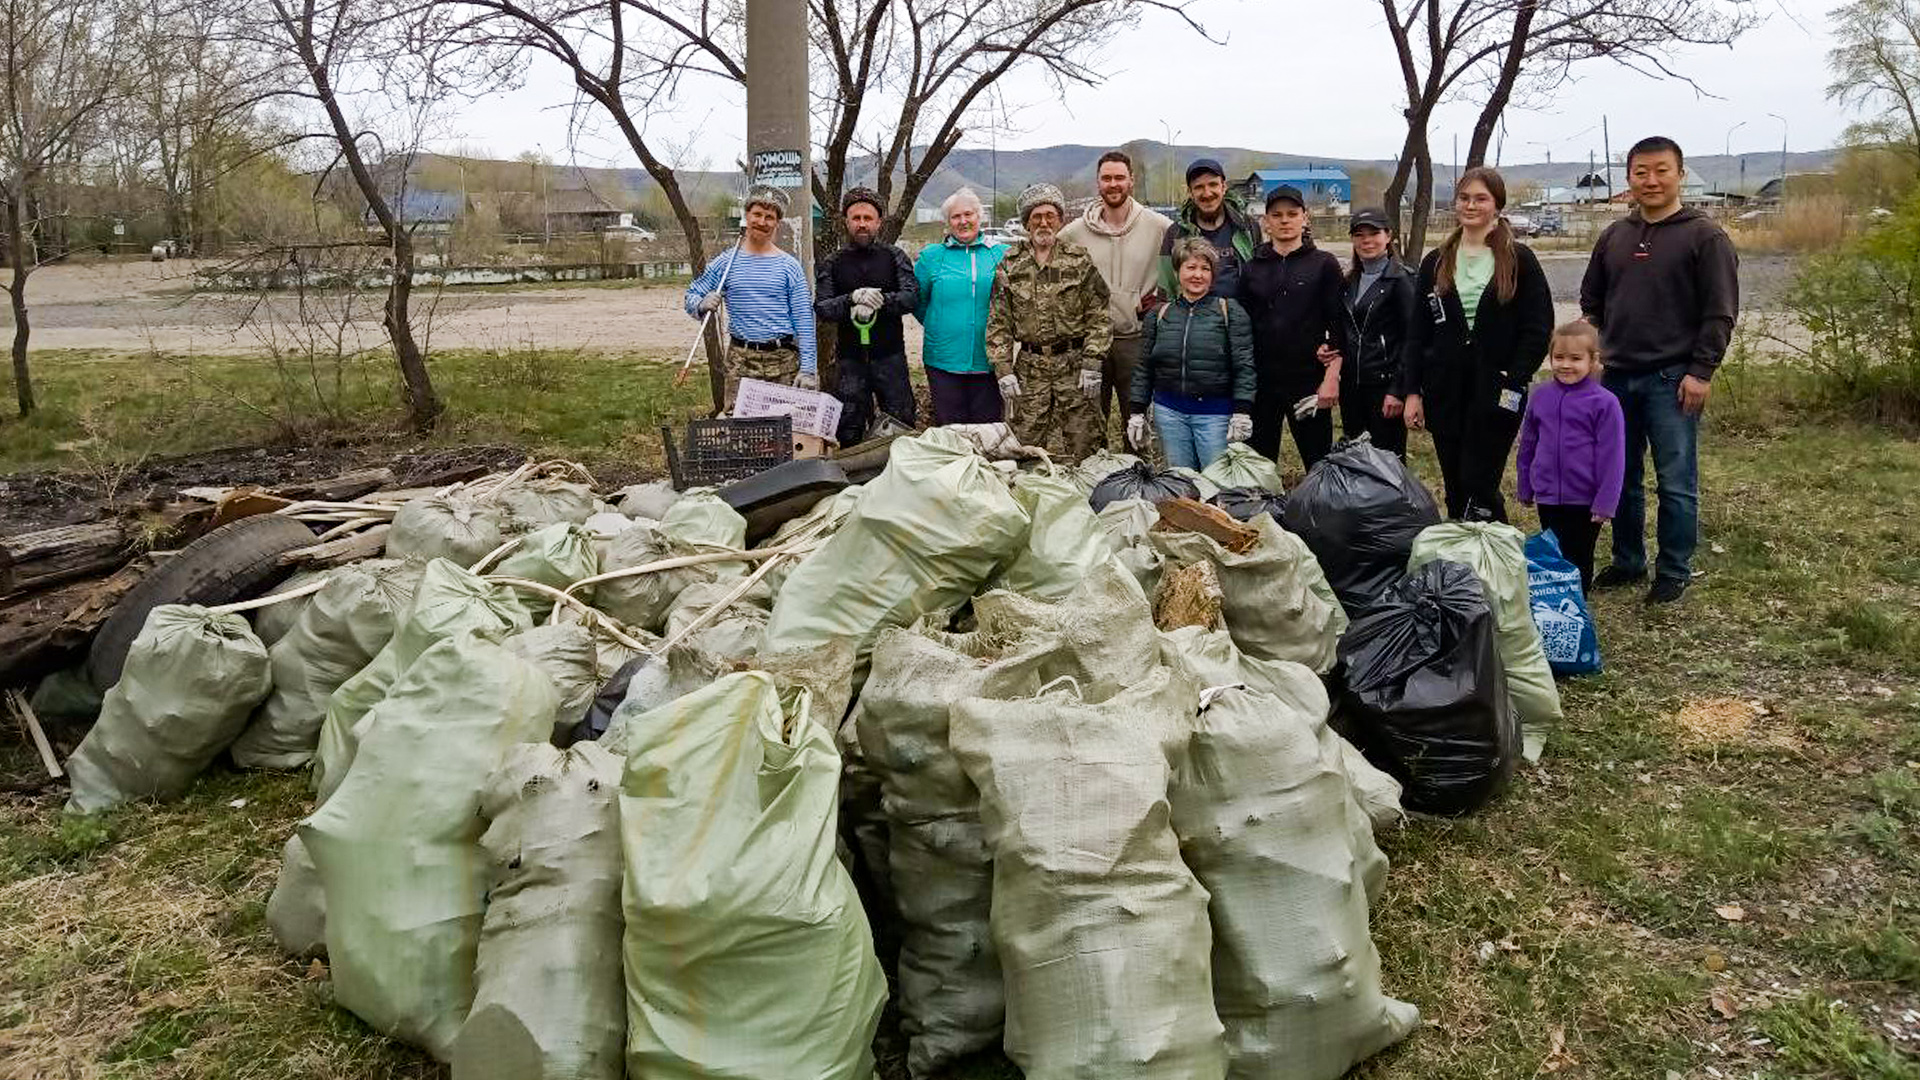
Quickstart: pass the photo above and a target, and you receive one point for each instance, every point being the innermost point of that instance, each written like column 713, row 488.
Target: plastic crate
column 721, row 451
column 813, row 412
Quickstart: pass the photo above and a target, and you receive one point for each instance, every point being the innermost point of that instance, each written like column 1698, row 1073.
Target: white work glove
column 1137, row 430
column 709, row 303
column 863, row 313
column 869, row 298
column 807, row 380
column 1009, row 386
column 1239, row 427
column 1307, row 407
column 1090, row 383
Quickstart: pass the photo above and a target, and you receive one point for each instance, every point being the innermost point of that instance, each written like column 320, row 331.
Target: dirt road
column 140, row 307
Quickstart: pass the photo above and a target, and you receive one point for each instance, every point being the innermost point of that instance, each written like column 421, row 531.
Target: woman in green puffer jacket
column 1196, row 367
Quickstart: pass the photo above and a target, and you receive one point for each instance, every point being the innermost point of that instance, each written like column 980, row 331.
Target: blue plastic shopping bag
column 1560, row 612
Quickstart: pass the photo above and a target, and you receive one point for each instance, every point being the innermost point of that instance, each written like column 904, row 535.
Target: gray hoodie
column 1128, row 258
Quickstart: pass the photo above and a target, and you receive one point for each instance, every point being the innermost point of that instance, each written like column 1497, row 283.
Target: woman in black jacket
column 1483, row 318
column 1380, row 303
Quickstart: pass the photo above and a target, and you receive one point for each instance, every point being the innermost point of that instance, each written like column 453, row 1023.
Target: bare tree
column 354, row 57
column 58, row 79
column 1505, row 48
column 198, row 115
column 1876, row 67
column 625, row 58
column 898, row 80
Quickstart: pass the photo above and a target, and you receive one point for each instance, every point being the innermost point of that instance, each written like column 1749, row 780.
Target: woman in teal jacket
column 956, row 280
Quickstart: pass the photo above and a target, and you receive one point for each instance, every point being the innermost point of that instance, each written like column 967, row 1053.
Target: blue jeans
column 1190, row 440
column 1651, row 402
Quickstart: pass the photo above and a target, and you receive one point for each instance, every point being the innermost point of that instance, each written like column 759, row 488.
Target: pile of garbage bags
column 604, row 792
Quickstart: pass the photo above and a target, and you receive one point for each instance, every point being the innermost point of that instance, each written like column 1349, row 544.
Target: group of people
column 1218, row 327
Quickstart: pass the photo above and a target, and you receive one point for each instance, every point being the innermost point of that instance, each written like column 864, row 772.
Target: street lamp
column 1727, row 151
column 1171, row 135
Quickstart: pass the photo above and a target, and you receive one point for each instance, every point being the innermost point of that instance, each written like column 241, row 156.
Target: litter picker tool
column 681, row 377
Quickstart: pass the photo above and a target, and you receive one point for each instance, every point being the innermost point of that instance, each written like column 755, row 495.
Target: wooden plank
column 342, row 488
column 361, row 545
column 48, row 557
column 38, row 734
column 1186, row 515
column 246, row 502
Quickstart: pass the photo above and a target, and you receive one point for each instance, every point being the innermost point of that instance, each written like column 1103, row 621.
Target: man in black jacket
column 866, row 288
column 1663, row 287
column 1292, row 291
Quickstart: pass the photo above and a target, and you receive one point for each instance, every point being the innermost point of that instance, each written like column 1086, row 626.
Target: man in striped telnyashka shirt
column 769, row 309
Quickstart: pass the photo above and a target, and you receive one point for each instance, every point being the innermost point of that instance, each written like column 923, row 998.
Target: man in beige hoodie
column 1124, row 239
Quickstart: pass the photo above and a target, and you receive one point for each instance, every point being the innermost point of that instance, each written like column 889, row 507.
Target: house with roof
column 1328, row 188
column 421, row 210
column 1795, row 186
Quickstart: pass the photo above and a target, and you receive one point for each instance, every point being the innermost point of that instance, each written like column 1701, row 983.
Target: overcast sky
column 1295, row 76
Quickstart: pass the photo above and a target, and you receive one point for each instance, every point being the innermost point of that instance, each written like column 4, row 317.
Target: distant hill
column 1072, row 167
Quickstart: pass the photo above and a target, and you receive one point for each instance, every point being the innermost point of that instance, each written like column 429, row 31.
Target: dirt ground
column 144, row 306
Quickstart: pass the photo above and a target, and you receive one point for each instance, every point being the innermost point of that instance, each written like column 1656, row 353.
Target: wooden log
column 47, row 631
column 48, row 557
column 340, row 488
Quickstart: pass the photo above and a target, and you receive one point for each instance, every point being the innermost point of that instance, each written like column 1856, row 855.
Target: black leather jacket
column 1377, row 330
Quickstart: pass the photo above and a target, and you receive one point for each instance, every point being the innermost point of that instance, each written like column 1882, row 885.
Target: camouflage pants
column 1052, row 412
column 775, row 366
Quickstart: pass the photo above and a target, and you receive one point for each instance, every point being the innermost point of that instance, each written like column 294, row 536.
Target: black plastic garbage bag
column 600, row 713
column 1359, row 510
column 1141, row 481
column 1425, row 696
column 1247, row 503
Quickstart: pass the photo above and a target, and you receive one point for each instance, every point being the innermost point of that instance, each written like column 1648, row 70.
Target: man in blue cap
column 1215, row 213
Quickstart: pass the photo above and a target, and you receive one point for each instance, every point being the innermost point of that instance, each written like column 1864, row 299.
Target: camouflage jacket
column 1039, row 305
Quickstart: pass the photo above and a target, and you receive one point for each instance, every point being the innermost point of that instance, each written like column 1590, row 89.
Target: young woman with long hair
column 1483, row 316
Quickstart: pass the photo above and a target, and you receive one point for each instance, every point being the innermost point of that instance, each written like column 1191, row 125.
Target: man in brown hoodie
column 1124, row 239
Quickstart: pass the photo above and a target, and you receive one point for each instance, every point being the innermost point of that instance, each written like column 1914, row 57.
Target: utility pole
column 1783, row 154
column 1606, row 146
column 779, row 150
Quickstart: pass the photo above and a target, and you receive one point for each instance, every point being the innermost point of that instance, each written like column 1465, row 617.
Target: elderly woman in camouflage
column 1048, row 333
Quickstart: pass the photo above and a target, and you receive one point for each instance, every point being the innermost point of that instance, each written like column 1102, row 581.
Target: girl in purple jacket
column 1573, row 447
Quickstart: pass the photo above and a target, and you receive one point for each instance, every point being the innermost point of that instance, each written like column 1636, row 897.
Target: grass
column 1666, row 896
column 100, row 412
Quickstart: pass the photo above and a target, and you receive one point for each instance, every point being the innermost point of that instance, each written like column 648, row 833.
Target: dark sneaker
column 1666, row 591
column 1613, row 578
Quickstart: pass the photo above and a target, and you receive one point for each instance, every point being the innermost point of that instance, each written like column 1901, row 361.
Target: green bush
column 1860, row 304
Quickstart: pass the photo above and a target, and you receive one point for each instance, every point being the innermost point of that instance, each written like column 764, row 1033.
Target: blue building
column 1328, row 188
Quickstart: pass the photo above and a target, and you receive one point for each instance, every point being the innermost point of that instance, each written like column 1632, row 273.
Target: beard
column 1042, row 237
column 863, row 237
column 1114, row 198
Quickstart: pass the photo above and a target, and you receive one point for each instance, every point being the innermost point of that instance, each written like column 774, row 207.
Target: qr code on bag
column 1560, row 631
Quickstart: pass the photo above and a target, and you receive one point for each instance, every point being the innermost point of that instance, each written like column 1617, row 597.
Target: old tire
column 233, row 562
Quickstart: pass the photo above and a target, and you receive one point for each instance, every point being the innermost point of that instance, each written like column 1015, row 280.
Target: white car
column 1000, row 237
column 631, row 232
column 1522, row 225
